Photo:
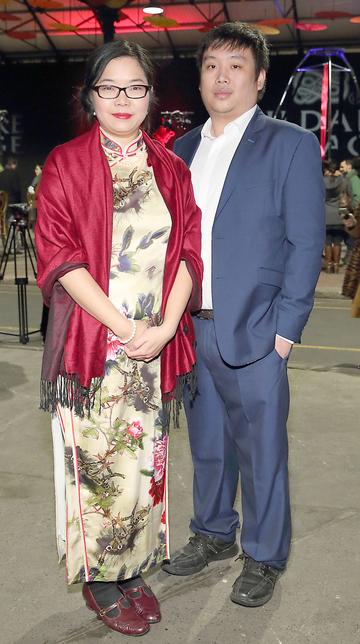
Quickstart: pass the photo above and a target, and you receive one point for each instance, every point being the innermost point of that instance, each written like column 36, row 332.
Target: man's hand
column 282, row 347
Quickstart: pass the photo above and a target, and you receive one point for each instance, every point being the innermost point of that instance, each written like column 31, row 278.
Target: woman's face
column 37, row 170
column 121, row 117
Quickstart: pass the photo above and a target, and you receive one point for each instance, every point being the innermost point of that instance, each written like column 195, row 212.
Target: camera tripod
column 19, row 224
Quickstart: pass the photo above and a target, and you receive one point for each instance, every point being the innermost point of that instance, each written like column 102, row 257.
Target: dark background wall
column 43, row 111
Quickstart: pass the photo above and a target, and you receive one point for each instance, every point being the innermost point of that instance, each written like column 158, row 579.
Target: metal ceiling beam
column 298, row 37
column 284, row 14
column 201, row 12
column 42, row 28
column 171, row 43
column 226, row 11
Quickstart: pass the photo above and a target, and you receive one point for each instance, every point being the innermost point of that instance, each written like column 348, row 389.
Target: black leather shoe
column 198, row 553
column 255, row 585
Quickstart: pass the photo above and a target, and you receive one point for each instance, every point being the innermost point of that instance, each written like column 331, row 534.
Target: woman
column 334, row 186
column 119, row 261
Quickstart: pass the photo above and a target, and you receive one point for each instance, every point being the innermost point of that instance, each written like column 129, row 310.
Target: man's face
column 228, row 82
column 344, row 167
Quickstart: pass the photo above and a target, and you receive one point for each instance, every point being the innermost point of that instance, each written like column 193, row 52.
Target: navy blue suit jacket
column 267, row 237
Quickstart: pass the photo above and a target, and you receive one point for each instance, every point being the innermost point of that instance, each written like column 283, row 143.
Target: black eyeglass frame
column 147, row 89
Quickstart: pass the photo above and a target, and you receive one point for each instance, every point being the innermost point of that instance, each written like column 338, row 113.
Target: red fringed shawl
column 74, row 229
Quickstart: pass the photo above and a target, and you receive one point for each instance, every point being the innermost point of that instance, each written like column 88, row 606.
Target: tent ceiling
column 33, row 29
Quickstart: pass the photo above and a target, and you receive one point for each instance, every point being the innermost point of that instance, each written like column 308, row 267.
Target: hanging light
column 153, row 9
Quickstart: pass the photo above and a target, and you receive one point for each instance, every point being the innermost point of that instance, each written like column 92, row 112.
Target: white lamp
column 153, row 9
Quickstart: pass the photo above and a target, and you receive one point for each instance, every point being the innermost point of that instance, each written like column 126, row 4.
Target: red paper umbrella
column 332, row 15
column 310, row 26
column 355, row 19
column 4, row 15
column 21, row 35
column 275, row 22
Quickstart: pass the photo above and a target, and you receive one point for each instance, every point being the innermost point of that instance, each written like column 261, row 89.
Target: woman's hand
column 149, row 344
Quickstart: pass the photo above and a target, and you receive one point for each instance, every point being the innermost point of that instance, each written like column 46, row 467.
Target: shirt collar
column 240, row 123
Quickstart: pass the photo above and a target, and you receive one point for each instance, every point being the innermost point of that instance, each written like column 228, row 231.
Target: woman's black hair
column 98, row 60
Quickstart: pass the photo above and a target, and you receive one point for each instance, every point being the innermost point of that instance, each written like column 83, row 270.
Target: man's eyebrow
column 212, row 56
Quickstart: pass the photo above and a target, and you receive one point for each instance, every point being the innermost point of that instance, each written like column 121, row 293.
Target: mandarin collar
column 121, row 151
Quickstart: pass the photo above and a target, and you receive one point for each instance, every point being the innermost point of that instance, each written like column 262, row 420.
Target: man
column 259, row 184
column 353, row 181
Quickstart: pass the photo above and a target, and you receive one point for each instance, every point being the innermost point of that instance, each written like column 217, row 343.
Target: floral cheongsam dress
column 116, row 460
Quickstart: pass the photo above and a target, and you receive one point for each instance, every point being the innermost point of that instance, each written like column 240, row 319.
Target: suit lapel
column 239, row 160
column 186, row 148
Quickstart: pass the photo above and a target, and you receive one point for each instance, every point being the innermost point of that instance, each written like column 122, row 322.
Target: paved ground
column 316, row 601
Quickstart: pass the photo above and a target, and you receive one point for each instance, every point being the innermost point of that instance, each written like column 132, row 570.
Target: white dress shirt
column 209, row 168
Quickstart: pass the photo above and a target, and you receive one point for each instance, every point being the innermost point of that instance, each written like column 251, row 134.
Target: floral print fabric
column 116, row 460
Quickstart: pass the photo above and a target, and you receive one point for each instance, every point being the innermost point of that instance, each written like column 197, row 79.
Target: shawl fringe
column 67, row 392
column 172, row 401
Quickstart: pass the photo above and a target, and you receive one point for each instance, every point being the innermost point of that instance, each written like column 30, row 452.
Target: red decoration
column 46, row 4
column 8, row 17
column 275, row 22
column 208, row 26
column 164, row 135
column 324, row 109
column 332, row 15
column 21, row 35
column 310, row 26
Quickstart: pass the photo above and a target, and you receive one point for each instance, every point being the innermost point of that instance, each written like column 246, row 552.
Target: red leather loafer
column 126, row 620
column 144, row 601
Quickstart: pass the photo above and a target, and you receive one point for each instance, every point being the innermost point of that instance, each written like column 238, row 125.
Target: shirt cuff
column 286, row 339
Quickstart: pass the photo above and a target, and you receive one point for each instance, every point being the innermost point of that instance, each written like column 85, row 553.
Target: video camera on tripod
column 19, row 214
column 18, row 226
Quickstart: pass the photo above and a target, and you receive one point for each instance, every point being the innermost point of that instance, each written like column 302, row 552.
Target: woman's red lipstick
column 122, row 115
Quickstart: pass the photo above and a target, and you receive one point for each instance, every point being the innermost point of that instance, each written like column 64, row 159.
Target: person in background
column 10, row 181
column 259, row 185
column 118, row 241
column 334, row 191
column 351, row 284
column 350, row 173
column 32, row 194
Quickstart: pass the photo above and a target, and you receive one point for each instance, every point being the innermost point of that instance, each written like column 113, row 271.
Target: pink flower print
column 160, row 452
column 135, row 429
column 113, row 346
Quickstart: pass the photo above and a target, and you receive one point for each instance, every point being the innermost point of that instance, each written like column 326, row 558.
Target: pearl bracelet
column 132, row 334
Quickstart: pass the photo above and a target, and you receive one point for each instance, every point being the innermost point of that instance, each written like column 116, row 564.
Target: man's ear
column 261, row 79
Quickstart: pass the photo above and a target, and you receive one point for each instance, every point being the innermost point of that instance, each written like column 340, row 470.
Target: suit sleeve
column 303, row 209
column 58, row 250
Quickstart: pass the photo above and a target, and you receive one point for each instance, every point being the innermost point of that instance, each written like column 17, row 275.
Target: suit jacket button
column 185, row 329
